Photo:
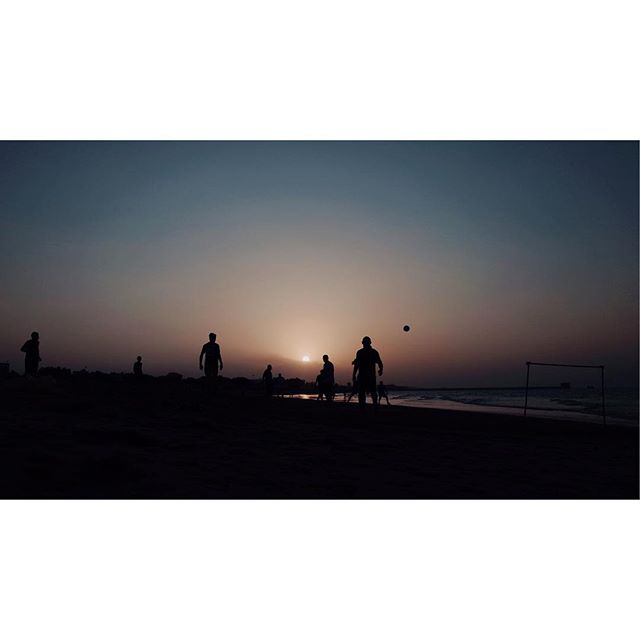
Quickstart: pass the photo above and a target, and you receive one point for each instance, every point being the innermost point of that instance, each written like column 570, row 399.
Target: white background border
column 460, row 69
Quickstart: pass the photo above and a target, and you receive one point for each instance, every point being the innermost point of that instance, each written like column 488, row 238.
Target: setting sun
column 305, row 359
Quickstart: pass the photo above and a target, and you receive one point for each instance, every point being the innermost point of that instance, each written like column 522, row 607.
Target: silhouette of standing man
column 137, row 367
column 328, row 377
column 212, row 356
column 267, row 378
column 32, row 358
column 364, row 372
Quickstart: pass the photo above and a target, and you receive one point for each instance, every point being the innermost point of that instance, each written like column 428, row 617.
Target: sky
column 494, row 253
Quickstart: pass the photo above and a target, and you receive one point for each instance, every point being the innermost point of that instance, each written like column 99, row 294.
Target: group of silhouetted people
column 364, row 377
column 269, row 382
column 364, row 370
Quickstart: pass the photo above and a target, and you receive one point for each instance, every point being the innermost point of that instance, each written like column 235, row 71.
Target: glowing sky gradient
column 494, row 253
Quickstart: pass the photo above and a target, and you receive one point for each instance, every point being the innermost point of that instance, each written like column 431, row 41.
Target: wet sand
column 164, row 439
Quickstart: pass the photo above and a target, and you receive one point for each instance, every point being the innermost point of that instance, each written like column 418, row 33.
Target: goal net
column 566, row 384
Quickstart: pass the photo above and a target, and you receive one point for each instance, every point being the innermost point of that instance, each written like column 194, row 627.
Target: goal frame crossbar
column 574, row 366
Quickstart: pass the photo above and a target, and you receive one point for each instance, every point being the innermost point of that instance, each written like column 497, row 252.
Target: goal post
column 575, row 366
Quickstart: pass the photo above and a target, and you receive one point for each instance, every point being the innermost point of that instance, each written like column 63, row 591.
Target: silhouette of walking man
column 267, row 378
column 328, row 377
column 137, row 366
column 31, row 349
column 212, row 357
column 364, row 372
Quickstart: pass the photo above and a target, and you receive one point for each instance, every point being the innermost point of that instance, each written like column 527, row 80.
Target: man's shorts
column 367, row 384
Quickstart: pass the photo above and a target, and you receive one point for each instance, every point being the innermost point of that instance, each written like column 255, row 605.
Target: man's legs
column 362, row 396
column 211, row 374
column 365, row 385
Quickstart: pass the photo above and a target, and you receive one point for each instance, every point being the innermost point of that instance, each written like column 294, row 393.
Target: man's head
column 366, row 341
column 269, row 367
column 212, row 337
column 325, row 358
column 35, row 335
column 139, row 358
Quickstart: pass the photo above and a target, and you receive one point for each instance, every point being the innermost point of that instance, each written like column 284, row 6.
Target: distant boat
column 565, row 385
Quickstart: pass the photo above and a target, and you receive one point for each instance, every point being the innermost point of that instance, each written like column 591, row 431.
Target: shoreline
column 452, row 405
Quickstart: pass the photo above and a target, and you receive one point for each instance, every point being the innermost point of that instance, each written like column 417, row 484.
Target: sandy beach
column 113, row 438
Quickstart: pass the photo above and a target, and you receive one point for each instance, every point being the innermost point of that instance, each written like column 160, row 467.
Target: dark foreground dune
column 170, row 439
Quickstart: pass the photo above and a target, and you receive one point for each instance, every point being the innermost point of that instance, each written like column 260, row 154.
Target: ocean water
column 621, row 404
